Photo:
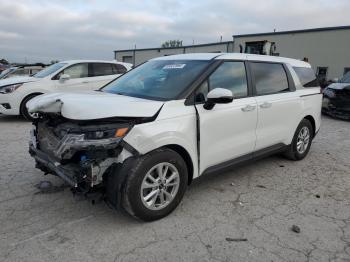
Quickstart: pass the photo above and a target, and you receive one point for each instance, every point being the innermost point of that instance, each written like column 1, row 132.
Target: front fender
column 179, row 131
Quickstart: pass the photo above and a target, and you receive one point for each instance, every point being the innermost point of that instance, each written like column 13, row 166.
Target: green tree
column 4, row 61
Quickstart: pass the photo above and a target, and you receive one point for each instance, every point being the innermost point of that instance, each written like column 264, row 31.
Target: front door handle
column 85, row 82
column 266, row 105
column 248, row 108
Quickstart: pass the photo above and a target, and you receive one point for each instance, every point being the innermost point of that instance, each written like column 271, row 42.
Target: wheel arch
column 186, row 157
column 29, row 95
column 313, row 123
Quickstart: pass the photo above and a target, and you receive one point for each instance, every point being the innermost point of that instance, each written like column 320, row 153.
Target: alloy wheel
column 160, row 186
column 303, row 140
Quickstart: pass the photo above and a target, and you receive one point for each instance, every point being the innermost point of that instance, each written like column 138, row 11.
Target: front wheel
column 155, row 185
column 302, row 140
column 24, row 110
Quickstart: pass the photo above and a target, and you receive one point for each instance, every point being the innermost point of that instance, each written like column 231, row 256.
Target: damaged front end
column 80, row 152
column 336, row 102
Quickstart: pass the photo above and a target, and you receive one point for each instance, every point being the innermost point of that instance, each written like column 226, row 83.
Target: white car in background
column 21, row 70
column 66, row 76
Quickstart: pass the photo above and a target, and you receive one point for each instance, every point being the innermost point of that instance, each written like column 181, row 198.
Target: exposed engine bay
column 80, row 152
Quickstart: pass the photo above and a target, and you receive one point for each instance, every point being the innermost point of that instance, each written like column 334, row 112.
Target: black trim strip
column 246, row 158
column 130, row 148
column 310, row 94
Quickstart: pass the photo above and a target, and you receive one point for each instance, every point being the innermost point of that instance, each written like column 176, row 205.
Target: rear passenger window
column 101, row 69
column 119, row 69
column 307, row 76
column 269, row 78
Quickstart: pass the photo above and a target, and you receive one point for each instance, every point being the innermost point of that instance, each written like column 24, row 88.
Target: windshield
column 346, row 78
column 5, row 72
column 49, row 70
column 157, row 79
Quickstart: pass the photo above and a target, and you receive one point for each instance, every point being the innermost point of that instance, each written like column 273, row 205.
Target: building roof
column 296, row 31
column 235, row 56
column 166, row 48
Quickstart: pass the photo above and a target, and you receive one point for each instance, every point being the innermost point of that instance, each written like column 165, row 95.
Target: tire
column 134, row 194
column 24, row 110
column 298, row 153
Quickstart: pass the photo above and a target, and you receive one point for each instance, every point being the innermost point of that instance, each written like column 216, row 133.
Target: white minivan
column 66, row 76
column 144, row 137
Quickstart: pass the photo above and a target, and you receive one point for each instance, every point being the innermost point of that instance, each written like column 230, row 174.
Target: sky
column 45, row 30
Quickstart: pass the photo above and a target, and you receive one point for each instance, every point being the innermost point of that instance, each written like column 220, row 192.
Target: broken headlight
column 103, row 134
column 329, row 92
column 90, row 138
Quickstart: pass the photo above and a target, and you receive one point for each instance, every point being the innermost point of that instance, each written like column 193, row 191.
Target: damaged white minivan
column 144, row 137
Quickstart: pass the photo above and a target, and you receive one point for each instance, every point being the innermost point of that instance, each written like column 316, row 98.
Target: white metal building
column 327, row 49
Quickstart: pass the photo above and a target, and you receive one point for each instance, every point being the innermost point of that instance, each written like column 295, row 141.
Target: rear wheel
column 24, row 109
column 155, row 185
column 302, row 140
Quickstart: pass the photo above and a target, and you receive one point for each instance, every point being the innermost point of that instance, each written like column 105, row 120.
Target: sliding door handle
column 248, row 108
column 266, row 105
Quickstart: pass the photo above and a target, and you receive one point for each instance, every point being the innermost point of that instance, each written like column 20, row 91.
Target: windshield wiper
column 117, row 93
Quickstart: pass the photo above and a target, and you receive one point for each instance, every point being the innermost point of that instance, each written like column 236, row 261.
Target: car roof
column 236, row 56
column 93, row 61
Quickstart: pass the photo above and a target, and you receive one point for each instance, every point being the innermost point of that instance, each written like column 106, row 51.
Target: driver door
column 78, row 79
column 228, row 130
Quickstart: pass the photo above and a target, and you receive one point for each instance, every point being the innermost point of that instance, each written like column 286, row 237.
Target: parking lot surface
column 246, row 214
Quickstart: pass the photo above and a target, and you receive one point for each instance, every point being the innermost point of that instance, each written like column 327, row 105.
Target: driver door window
column 229, row 75
column 76, row 71
column 78, row 79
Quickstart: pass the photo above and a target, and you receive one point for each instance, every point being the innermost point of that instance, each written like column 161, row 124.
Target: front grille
column 47, row 140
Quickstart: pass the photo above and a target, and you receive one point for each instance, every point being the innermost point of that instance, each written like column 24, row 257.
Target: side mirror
column 218, row 96
column 64, row 77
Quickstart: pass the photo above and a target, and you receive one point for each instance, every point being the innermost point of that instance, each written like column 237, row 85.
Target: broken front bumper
column 88, row 171
column 49, row 165
column 77, row 158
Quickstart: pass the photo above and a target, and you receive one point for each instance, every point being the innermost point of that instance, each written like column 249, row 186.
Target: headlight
column 92, row 138
column 9, row 88
column 329, row 92
column 112, row 133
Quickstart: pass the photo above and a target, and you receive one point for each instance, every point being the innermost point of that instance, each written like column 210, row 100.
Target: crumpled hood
column 93, row 105
column 18, row 80
column 339, row 86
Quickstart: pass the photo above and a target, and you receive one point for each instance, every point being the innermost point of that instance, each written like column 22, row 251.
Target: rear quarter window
column 119, row 69
column 307, row 76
